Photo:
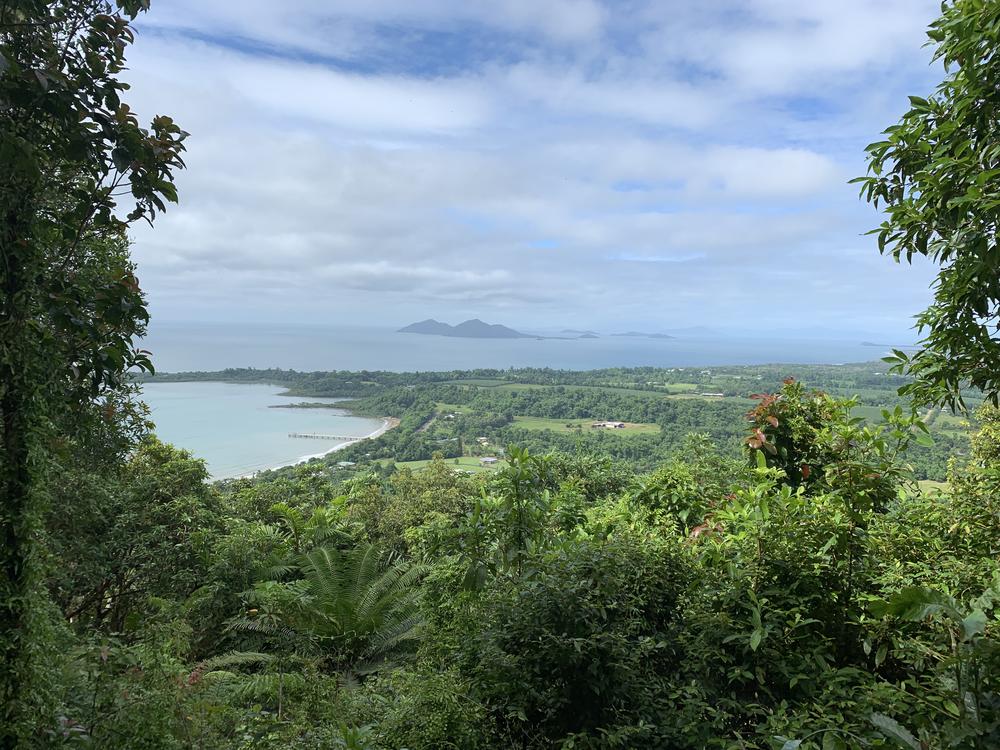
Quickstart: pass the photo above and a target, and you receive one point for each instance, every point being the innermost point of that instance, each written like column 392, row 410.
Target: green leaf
column 755, row 639
column 915, row 604
column 121, row 159
column 880, row 655
column 893, row 730
column 973, row 625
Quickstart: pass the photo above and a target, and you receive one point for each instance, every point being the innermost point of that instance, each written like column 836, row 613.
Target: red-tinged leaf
column 697, row 531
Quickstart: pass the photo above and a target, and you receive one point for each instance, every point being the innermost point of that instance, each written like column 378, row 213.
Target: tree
column 139, row 534
column 70, row 304
column 937, row 175
column 817, row 444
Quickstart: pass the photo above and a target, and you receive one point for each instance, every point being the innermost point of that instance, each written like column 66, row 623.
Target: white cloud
column 781, row 46
column 364, row 103
column 240, row 87
column 770, row 173
column 569, row 94
column 342, row 29
column 664, row 154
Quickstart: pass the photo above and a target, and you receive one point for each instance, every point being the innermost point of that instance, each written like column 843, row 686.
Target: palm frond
column 356, row 603
column 234, row 659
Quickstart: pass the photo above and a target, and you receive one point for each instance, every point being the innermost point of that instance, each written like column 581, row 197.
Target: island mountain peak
column 470, row 329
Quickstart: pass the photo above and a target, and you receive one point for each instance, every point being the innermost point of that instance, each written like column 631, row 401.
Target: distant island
column 477, row 329
column 640, row 335
column 470, row 329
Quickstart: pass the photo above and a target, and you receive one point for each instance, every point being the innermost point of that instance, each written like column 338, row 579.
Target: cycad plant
column 356, row 609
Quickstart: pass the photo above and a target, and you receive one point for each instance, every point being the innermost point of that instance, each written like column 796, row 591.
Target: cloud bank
column 682, row 163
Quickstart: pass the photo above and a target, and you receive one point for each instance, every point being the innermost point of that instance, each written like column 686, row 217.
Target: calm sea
column 234, row 429
column 179, row 347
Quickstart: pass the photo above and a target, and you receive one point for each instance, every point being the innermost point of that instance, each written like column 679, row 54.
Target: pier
column 323, row 436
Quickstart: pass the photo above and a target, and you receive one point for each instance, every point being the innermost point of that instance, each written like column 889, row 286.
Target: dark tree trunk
column 18, row 423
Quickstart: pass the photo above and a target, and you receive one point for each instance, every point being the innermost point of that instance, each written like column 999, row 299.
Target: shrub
column 579, row 646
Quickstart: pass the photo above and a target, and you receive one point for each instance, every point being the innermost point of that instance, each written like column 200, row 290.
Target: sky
column 539, row 163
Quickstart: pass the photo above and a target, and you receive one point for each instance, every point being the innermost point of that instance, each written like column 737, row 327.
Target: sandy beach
column 387, row 424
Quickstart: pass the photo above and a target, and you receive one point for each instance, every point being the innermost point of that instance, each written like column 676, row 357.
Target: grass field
column 572, row 425
column 869, row 413
column 679, row 387
column 466, row 463
column 928, row 485
column 666, row 390
column 698, row 397
column 654, row 387
column 940, row 422
column 482, row 382
column 949, row 421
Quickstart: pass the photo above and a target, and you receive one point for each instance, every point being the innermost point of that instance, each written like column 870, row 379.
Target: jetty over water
column 324, row 436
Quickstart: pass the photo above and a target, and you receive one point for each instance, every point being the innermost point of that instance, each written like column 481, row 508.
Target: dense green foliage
column 476, row 413
column 561, row 601
column 747, row 563
column 69, row 301
column 937, row 176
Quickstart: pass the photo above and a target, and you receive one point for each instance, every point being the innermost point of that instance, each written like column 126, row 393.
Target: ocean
column 234, row 429
column 186, row 346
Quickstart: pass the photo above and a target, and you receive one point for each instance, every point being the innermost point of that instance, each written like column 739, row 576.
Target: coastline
column 388, row 423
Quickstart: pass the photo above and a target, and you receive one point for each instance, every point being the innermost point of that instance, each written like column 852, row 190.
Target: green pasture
column 572, row 425
column 465, row 463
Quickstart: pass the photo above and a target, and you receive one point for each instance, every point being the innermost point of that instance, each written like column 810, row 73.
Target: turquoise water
column 232, row 427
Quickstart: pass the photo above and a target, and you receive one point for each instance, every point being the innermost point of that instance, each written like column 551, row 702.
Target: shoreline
column 388, row 423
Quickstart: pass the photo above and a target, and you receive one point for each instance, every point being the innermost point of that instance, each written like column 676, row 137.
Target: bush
column 579, row 646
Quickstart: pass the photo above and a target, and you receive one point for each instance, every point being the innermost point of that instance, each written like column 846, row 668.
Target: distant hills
column 470, row 329
column 477, row 329
column 640, row 335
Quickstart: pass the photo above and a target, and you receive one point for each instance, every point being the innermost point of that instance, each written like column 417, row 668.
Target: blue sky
column 543, row 164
